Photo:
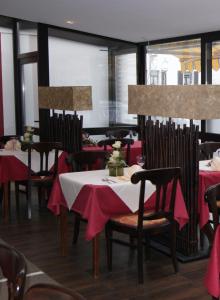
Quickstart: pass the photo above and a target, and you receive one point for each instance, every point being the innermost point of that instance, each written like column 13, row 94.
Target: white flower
column 117, row 145
column 27, row 135
column 115, row 154
column 111, row 160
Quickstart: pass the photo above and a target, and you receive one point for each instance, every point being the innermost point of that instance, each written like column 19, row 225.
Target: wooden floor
column 38, row 240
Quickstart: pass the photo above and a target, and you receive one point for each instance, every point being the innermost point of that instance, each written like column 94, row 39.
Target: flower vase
column 116, row 170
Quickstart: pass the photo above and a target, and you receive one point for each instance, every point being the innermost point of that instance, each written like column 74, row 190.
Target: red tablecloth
column 98, row 204
column 206, row 179
column 136, row 150
column 12, row 169
column 212, row 278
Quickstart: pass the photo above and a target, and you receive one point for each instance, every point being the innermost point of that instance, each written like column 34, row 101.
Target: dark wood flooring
column 38, row 241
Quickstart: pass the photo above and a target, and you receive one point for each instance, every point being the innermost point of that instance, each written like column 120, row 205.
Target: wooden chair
column 206, row 150
column 13, row 268
column 144, row 224
column 50, row 292
column 117, row 133
column 125, row 143
column 212, row 196
column 85, row 161
column 42, row 179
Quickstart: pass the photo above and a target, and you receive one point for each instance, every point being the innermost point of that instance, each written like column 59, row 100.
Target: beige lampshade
column 65, row 98
column 198, row 102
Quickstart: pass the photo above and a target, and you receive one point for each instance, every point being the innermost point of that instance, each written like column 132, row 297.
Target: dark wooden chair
column 117, row 133
column 51, row 292
column 42, row 179
column 13, row 268
column 144, row 224
column 85, row 161
column 206, row 150
column 125, row 143
column 212, row 197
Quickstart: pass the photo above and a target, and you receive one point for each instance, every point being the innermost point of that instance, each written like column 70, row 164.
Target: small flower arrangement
column 28, row 134
column 116, row 161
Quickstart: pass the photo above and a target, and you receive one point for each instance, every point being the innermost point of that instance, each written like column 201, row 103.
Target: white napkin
column 13, row 145
column 128, row 172
column 215, row 164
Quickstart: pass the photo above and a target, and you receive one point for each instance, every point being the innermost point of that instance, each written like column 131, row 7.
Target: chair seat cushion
column 218, row 203
column 132, row 219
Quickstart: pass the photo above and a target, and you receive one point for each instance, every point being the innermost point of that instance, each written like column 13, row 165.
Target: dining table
column 97, row 197
column 14, row 167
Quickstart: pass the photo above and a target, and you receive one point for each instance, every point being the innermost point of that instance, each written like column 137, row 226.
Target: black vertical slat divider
column 66, row 129
column 168, row 145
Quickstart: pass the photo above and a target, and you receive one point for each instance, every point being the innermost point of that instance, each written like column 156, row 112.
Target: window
column 177, row 63
column 125, row 74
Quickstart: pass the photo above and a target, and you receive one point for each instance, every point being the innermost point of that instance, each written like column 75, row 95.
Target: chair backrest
column 212, row 195
column 44, row 149
column 88, row 160
column 117, row 133
column 125, row 143
column 51, row 292
column 13, row 268
column 160, row 178
column 206, row 149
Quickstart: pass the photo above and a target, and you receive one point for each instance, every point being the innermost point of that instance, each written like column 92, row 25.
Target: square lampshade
column 198, row 102
column 75, row 98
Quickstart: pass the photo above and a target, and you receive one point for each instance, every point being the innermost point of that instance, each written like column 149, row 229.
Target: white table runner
column 72, row 183
column 35, row 158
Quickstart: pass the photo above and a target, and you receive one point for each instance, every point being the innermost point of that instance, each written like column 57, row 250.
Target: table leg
column 209, row 232
column 63, row 231
column 5, row 201
column 95, row 244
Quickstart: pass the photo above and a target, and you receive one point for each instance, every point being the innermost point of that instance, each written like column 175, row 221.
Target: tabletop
column 72, row 183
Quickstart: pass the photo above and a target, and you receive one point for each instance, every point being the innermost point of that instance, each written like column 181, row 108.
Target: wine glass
column 140, row 160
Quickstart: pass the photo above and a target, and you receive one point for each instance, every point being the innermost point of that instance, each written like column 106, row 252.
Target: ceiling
column 131, row 20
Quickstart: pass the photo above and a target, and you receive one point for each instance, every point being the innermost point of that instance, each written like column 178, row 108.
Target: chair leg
column 17, row 195
column 108, row 237
column 39, row 195
column 147, row 247
column 173, row 247
column 29, row 200
column 140, row 260
column 76, row 228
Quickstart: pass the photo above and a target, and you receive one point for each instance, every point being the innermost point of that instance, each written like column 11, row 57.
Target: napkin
column 13, row 145
column 215, row 164
column 128, row 172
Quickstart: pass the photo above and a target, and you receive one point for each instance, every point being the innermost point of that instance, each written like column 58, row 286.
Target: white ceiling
column 132, row 20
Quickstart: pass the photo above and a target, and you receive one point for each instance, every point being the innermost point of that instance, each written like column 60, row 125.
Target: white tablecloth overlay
column 205, row 166
column 72, row 183
column 35, row 158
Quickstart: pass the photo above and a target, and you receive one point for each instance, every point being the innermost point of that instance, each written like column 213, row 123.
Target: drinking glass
column 140, row 160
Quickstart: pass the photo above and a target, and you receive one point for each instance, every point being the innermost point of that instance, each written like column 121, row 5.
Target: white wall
column 8, row 81
column 72, row 63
